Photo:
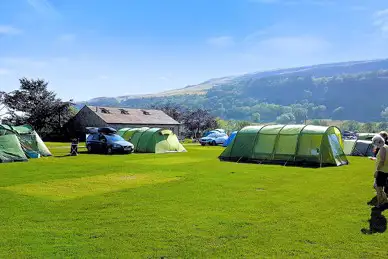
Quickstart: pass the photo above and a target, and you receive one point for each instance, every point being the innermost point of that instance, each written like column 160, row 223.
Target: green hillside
column 344, row 91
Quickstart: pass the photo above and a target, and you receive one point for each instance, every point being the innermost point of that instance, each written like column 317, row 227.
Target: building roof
column 114, row 115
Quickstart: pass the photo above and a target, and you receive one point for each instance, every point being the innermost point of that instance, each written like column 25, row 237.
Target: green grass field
column 186, row 205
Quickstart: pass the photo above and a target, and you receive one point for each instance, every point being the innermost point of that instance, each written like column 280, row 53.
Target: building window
column 145, row 112
column 104, row 110
column 123, row 111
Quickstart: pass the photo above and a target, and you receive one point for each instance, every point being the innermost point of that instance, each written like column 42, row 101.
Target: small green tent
column 30, row 141
column 155, row 140
column 354, row 147
column 287, row 144
column 10, row 148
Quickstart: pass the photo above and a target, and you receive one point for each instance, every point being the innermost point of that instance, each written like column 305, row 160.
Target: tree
column 256, row 117
column 173, row 110
column 34, row 104
column 338, row 113
column 198, row 121
column 286, row 118
column 319, row 122
column 300, row 114
column 384, row 114
column 351, row 126
column 367, row 127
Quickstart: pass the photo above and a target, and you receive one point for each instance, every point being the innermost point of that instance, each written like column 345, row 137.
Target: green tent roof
column 287, row 144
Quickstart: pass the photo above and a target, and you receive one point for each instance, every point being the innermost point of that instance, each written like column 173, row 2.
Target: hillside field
column 186, row 205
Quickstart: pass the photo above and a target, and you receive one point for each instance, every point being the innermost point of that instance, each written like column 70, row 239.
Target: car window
column 95, row 137
column 114, row 138
column 90, row 138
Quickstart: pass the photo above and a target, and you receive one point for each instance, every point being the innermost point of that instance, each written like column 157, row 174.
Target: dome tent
column 156, row 140
column 10, row 148
column 357, row 147
column 30, row 141
column 230, row 139
column 287, row 144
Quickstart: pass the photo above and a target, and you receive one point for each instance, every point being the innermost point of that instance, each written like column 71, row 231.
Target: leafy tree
column 338, row 113
column 382, row 126
column 241, row 124
column 198, row 121
column 319, row 122
column 39, row 107
column 367, row 127
column 300, row 114
column 256, row 117
column 173, row 110
column 2, row 105
column 286, row 118
column 384, row 114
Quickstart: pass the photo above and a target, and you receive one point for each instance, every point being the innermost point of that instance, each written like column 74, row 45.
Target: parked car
column 215, row 138
column 108, row 143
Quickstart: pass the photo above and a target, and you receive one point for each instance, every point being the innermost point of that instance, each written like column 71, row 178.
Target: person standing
column 383, row 134
column 381, row 172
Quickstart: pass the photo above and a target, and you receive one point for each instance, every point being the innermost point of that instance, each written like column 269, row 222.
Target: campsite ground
column 183, row 205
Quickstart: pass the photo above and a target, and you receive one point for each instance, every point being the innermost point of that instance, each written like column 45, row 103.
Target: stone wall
column 76, row 127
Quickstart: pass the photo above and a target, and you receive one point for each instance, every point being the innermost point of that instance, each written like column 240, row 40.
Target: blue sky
column 92, row 48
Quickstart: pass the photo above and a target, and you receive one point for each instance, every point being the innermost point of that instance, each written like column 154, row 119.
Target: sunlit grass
column 87, row 186
column 185, row 205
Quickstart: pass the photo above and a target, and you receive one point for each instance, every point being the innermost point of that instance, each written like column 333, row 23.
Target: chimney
column 96, row 109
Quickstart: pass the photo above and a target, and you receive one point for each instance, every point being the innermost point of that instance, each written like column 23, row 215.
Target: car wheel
column 89, row 148
column 109, row 151
column 203, row 144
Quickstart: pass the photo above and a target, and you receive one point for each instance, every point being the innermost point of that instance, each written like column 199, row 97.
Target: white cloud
column 22, row 61
column 43, row 6
column 164, row 78
column 381, row 21
column 296, row 2
column 358, row 8
column 6, row 29
column 103, row 77
column 221, row 42
column 68, row 37
column 285, row 51
column 4, row 71
column 301, row 44
column 265, row 1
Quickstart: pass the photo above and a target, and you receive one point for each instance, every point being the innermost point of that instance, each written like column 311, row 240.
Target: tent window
column 145, row 112
column 104, row 110
column 124, row 111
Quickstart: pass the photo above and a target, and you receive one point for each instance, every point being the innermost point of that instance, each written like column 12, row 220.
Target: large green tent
column 10, row 148
column 287, row 144
column 155, row 140
column 127, row 133
column 358, row 147
column 30, row 141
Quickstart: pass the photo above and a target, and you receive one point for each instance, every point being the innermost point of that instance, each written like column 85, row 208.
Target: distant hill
column 349, row 90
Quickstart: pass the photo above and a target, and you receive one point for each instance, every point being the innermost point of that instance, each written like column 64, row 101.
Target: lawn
column 186, row 205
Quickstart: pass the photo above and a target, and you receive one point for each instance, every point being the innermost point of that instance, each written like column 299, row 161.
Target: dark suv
column 98, row 142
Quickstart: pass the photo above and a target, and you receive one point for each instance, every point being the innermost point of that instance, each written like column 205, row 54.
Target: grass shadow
column 377, row 222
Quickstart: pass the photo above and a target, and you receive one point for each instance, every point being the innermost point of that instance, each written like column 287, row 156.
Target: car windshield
column 114, row 138
column 216, row 135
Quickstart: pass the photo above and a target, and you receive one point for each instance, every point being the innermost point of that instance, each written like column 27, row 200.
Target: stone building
column 117, row 118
